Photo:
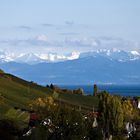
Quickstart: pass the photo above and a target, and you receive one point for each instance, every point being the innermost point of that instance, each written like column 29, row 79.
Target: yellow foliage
column 129, row 110
column 42, row 103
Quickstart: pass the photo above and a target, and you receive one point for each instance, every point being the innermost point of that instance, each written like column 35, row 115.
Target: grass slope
column 17, row 92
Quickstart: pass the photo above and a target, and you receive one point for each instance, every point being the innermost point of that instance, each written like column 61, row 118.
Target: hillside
column 16, row 92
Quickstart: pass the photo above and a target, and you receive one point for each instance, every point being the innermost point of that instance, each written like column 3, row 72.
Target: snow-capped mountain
column 113, row 54
column 101, row 66
column 28, row 58
column 85, row 70
column 6, row 57
column 53, row 57
column 35, row 58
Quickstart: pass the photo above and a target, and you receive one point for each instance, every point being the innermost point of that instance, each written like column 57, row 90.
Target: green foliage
column 55, row 95
column 112, row 116
column 20, row 118
column 66, row 124
column 115, row 112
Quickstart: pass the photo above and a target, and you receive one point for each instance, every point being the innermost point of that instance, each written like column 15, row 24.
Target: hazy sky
column 69, row 25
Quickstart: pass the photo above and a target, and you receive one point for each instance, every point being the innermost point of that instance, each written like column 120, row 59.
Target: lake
column 124, row 90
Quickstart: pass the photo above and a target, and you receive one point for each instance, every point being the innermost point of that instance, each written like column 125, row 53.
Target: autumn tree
column 43, row 106
column 130, row 112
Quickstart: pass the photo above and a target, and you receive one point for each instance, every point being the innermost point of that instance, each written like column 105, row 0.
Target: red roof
column 33, row 116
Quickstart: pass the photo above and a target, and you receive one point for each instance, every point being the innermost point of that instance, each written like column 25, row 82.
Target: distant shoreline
column 123, row 90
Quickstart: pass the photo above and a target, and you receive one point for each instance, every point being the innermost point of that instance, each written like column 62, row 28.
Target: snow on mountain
column 113, row 54
column 29, row 58
column 86, row 70
column 135, row 53
column 6, row 56
column 34, row 58
column 74, row 55
column 53, row 57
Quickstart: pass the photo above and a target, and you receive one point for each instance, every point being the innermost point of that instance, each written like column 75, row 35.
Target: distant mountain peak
column 135, row 53
column 113, row 54
column 34, row 58
column 119, row 67
column 30, row 58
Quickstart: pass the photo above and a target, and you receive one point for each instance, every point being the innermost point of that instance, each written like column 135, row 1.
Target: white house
column 139, row 103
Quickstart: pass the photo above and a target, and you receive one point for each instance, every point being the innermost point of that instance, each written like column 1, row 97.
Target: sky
column 65, row 26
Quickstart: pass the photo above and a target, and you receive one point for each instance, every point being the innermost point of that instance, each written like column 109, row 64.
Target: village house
column 139, row 103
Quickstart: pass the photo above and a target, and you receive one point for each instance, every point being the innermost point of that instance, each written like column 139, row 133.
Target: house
column 139, row 103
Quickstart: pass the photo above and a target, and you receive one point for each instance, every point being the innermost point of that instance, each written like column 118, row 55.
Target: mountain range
column 35, row 58
column 101, row 66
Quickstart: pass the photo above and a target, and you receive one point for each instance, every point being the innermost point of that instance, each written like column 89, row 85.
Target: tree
column 42, row 103
column 43, row 106
column 130, row 112
column 127, row 106
column 79, row 91
column 111, row 113
column 95, row 90
column 66, row 123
